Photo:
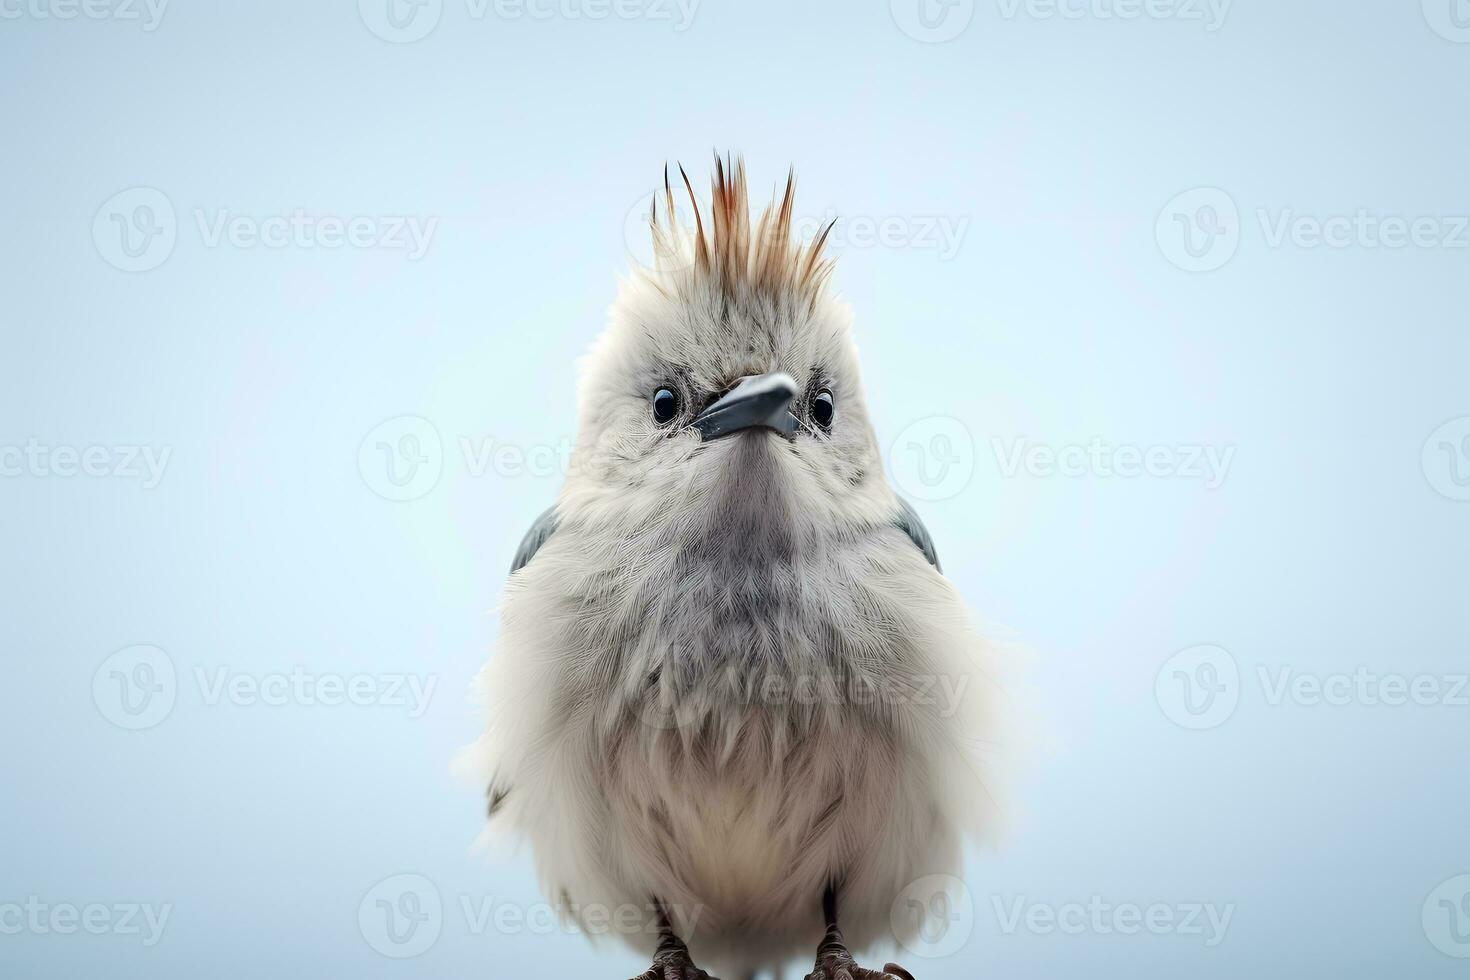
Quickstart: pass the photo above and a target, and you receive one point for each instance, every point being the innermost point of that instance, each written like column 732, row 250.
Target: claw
column 671, row 960
column 674, row 967
column 837, row 964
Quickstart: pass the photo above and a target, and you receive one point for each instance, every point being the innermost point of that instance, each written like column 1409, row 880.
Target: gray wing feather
column 908, row 522
column 541, row 530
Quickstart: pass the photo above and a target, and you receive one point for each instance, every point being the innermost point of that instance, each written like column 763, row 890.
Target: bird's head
column 726, row 382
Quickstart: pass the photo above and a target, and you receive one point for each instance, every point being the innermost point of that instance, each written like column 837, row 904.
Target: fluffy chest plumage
column 708, row 632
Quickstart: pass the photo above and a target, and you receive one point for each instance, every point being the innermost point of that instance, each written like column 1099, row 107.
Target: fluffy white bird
column 734, row 702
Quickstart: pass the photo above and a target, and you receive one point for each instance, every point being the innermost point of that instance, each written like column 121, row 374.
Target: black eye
column 822, row 409
column 665, row 406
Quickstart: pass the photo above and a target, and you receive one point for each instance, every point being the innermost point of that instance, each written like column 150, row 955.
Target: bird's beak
column 757, row 401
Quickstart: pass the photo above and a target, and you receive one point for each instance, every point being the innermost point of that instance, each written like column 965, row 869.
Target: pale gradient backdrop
column 1162, row 310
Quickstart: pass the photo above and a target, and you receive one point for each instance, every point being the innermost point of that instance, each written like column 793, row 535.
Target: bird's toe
column 842, row 967
column 677, row 969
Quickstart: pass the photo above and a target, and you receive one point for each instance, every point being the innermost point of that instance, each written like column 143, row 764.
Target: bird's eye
column 823, row 409
column 665, row 406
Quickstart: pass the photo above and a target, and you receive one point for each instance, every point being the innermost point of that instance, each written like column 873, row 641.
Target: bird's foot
column 673, row 963
column 834, row 962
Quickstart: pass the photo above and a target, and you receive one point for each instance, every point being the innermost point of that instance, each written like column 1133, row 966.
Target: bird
column 733, row 690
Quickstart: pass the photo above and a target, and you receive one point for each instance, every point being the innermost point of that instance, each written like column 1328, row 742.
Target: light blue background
column 1060, row 319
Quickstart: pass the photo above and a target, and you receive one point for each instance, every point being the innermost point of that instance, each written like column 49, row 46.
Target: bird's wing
column 541, row 530
column 907, row 521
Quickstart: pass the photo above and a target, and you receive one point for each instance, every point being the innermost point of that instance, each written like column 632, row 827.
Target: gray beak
column 757, row 401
